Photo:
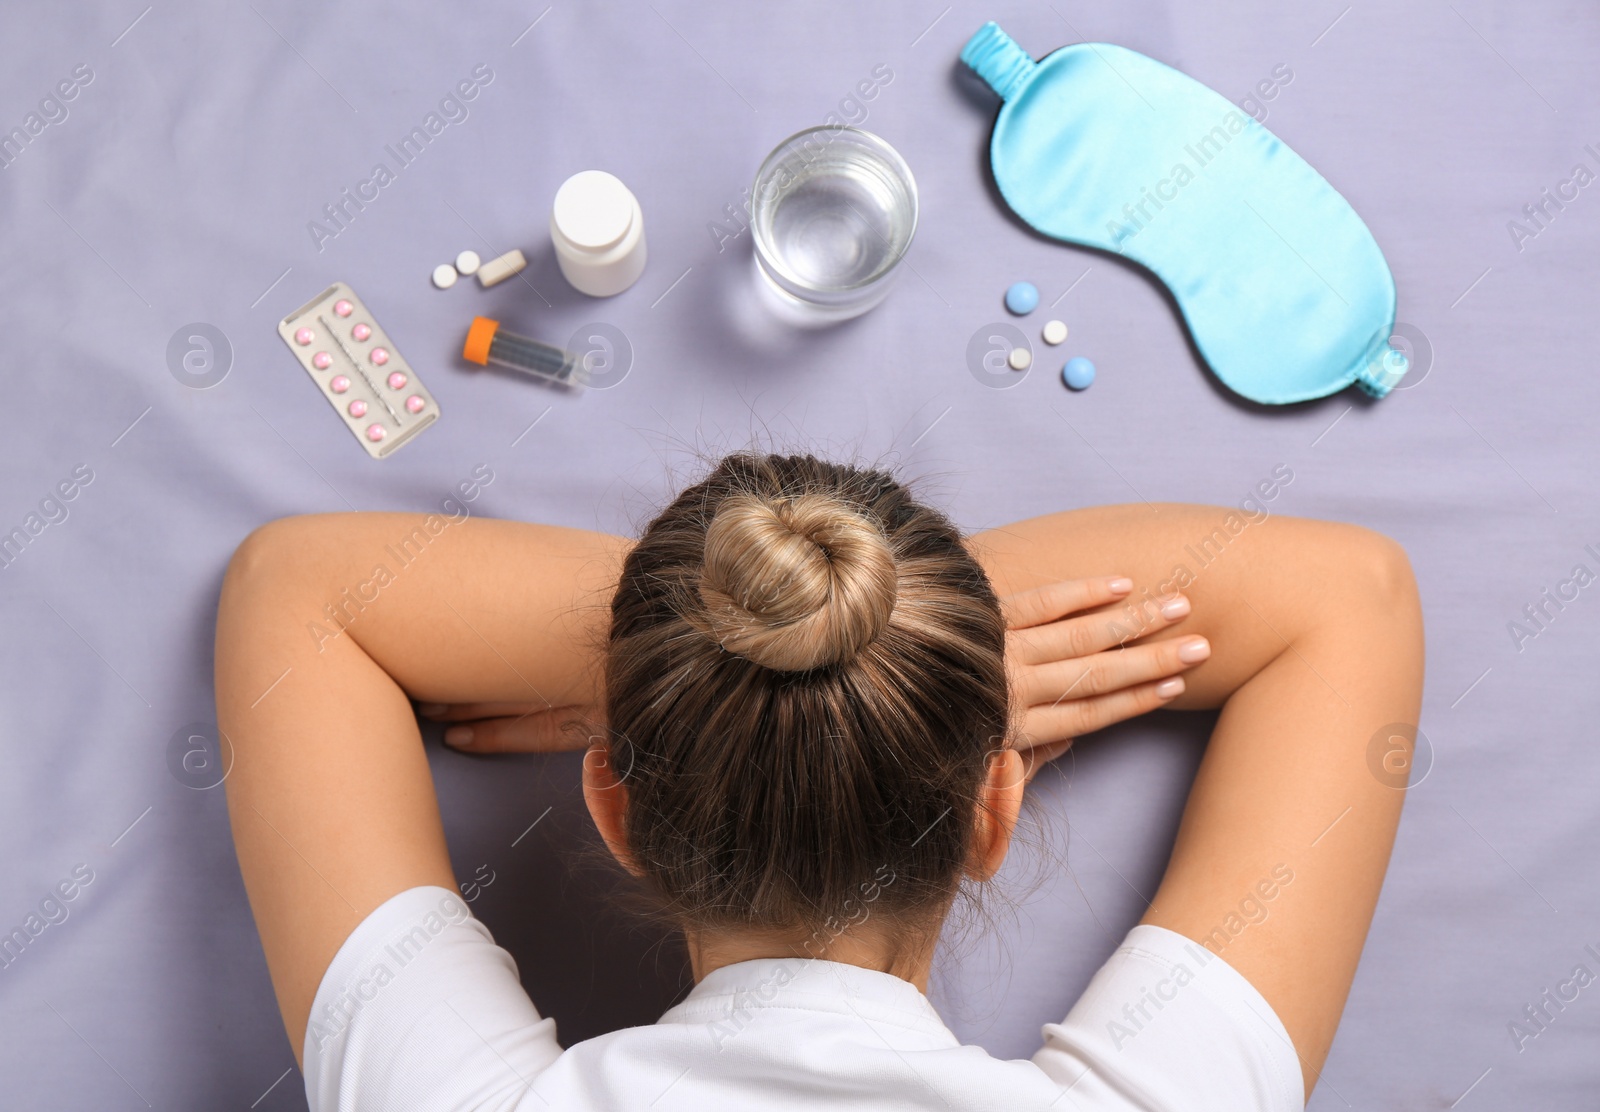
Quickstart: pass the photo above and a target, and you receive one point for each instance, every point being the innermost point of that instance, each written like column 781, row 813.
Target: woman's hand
column 1071, row 675
column 1075, row 675
column 517, row 727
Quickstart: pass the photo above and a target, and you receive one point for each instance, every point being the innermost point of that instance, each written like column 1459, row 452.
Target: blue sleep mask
column 1282, row 286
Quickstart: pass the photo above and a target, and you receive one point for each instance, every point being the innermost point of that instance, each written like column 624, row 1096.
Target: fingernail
column 1168, row 688
column 1175, row 607
column 431, row 710
column 1194, row 650
column 458, row 735
column 1120, row 586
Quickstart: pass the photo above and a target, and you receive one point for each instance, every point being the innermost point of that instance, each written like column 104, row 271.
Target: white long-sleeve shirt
column 421, row 1012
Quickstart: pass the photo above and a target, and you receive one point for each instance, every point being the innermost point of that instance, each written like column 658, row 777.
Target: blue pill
column 1022, row 298
column 1078, row 373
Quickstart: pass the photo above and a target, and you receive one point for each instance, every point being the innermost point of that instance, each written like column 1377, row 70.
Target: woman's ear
column 607, row 798
column 999, row 802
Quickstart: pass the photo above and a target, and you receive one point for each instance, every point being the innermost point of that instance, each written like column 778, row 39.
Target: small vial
column 488, row 343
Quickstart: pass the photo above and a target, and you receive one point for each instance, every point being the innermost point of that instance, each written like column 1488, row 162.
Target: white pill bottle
column 598, row 232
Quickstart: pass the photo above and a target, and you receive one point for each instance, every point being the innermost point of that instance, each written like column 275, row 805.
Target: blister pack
column 359, row 370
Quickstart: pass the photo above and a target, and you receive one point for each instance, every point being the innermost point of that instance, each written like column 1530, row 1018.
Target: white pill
column 444, row 276
column 467, row 263
column 1020, row 359
column 499, row 269
column 1054, row 332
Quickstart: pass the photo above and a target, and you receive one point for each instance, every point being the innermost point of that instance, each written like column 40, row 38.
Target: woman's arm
column 1316, row 635
column 326, row 625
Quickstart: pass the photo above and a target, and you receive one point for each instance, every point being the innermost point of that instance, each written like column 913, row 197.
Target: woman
column 808, row 724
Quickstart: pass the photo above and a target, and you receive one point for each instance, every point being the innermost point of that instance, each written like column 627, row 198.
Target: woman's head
column 805, row 677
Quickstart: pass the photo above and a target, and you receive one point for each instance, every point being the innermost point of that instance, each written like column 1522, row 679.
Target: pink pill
column 343, row 308
column 358, row 408
column 361, row 332
column 415, row 403
column 304, row 336
column 397, row 381
column 375, row 432
column 338, row 384
column 322, row 361
column 379, row 356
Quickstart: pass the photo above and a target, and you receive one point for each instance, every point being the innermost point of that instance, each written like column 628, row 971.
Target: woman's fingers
column 1093, row 633
column 466, row 712
column 1103, row 673
column 1050, row 723
column 1056, row 600
column 536, row 731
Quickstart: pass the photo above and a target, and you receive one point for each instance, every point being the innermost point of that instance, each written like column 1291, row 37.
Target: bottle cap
column 598, row 231
column 479, row 337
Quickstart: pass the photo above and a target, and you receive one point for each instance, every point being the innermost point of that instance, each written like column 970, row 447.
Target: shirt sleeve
column 1168, row 1025
column 421, row 1010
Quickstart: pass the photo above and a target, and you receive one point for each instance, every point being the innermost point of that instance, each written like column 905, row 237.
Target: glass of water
column 833, row 210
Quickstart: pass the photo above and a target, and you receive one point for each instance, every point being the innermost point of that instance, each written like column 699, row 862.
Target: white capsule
column 499, row 269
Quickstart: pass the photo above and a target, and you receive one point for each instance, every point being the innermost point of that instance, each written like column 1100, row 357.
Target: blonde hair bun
column 796, row 583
